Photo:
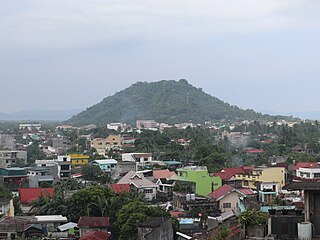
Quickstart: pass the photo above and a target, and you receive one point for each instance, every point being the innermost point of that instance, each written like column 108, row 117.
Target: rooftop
column 154, row 222
column 27, row 195
column 106, row 161
column 94, row 222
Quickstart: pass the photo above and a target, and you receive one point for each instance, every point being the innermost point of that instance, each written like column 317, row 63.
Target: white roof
column 183, row 235
column 67, row 226
column 51, row 218
column 106, row 161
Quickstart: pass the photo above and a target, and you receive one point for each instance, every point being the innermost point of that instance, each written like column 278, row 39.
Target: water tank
column 193, row 197
column 305, row 231
column 188, row 197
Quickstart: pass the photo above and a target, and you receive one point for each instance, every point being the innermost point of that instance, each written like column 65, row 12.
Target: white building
column 308, row 173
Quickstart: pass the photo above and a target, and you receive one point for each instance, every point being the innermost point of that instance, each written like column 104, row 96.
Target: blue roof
column 172, row 162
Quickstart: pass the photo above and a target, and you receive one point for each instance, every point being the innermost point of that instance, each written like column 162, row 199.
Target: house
column 227, row 197
column 107, row 165
column 51, row 221
column 88, row 224
column 311, row 202
column 200, row 176
column 227, row 173
column 120, row 188
column 146, row 124
column 141, row 184
column 103, row 145
column 256, row 176
column 67, row 229
column 6, row 207
column 29, row 126
column 79, row 159
column 297, row 149
column 141, row 159
column 13, row 178
column 63, row 167
column 125, row 167
column 268, row 191
column 128, row 142
column 306, row 170
column 96, row 235
column 39, row 176
column 27, row 195
column 9, row 158
column 157, row 174
column 172, row 165
column 119, row 127
column 156, row 228
column 12, row 227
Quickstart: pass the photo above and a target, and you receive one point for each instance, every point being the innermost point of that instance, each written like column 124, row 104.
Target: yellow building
column 262, row 175
column 102, row 145
column 79, row 159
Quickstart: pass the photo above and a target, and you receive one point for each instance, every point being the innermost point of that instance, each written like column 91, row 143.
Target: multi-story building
column 30, row 126
column 103, row 145
column 7, row 142
column 199, row 175
column 147, row 124
column 9, row 158
column 60, row 167
column 118, row 126
column 141, row 159
column 79, row 159
column 276, row 175
column 39, row 176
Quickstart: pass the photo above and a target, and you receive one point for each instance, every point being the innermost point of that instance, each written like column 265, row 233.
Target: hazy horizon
column 70, row 55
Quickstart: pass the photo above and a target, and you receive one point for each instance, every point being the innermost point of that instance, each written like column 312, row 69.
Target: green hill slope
column 165, row 101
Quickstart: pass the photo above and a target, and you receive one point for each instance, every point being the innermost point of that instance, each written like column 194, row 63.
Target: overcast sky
column 259, row 54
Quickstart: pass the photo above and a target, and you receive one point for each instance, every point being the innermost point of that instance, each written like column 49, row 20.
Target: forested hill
column 164, row 101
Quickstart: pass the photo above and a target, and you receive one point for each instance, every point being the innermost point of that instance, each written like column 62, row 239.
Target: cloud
column 80, row 23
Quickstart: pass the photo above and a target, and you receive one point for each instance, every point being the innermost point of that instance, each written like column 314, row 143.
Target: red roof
column 246, row 191
column 221, row 191
column 255, row 151
column 96, row 235
column 306, row 165
column 176, row 214
column 94, row 222
column 163, row 174
column 227, row 173
column 27, row 195
column 120, row 188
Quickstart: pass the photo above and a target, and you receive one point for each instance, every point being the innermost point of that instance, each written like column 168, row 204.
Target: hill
column 165, row 101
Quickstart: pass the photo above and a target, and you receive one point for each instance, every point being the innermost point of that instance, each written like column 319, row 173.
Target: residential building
column 120, row 188
column 59, row 145
column 277, row 175
column 13, row 178
column 128, row 142
column 29, row 126
column 227, row 197
column 119, row 127
column 96, row 235
column 6, row 207
column 9, row 158
column 7, row 142
column 63, row 167
column 88, row 224
column 39, row 176
column 103, row 145
column 268, row 191
column 27, row 195
column 200, row 176
column 146, row 124
column 141, row 159
column 79, row 159
column 107, row 165
column 156, row 228
column 308, row 173
column 124, row 167
column 141, row 184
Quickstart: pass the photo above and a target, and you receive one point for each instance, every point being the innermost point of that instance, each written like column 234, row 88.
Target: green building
column 199, row 175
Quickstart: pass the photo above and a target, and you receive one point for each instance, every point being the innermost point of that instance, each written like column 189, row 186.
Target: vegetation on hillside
column 165, row 101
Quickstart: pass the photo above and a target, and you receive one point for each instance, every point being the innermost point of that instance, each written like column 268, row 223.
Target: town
column 217, row 180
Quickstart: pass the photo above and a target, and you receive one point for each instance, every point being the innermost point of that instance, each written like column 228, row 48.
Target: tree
column 94, row 173
column 133, row 213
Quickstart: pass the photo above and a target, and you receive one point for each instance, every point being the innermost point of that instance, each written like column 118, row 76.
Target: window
column 316, row 175
column 245, row 183
column 226, row 205
column 65, row 167
column 148, row 190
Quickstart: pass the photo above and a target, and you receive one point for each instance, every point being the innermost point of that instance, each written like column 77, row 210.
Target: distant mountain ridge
column 41, row 115
column 166, row 101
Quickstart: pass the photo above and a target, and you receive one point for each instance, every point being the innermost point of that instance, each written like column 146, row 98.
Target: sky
column 258, row 54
